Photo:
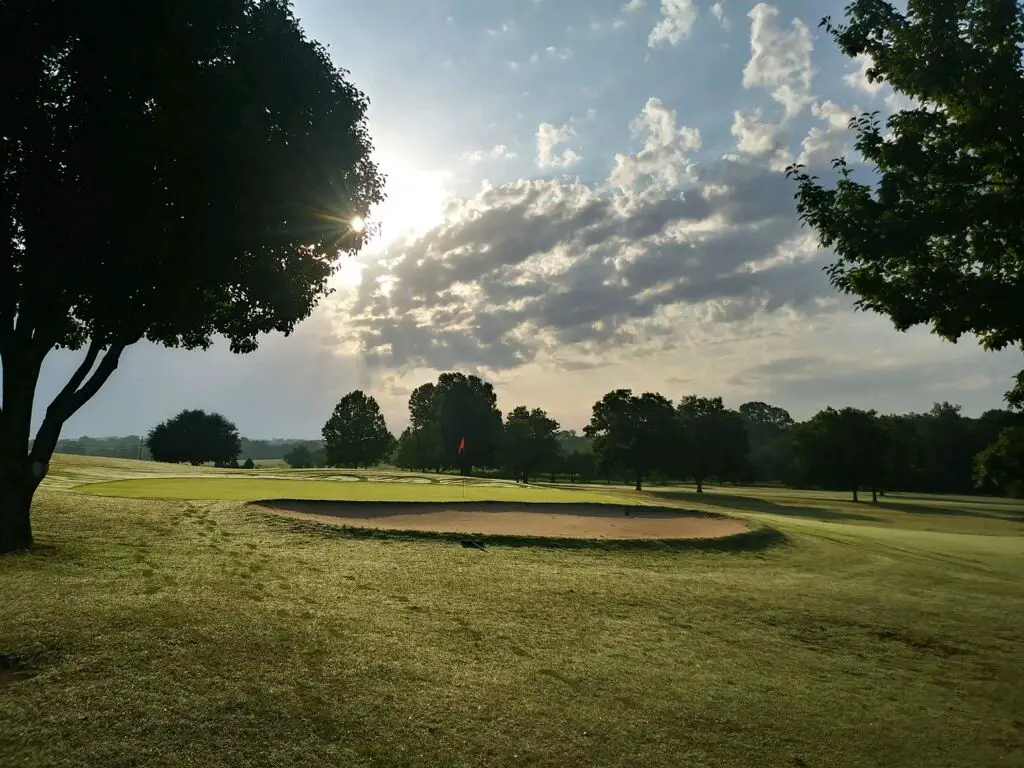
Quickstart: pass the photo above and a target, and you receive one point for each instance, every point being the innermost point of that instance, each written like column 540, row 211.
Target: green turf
column 252, row 488
column 182, row 633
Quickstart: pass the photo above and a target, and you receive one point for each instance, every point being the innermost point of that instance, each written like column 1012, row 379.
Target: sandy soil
column 577, row 521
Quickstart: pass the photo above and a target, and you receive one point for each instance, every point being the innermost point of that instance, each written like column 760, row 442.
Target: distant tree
column 356, row 434
column 637, row 434
column 936, row 235
column 843, row 449
column 249, row 463
column 300, row 457
column 947, row 449
column 530, row 442
column 172, row 173
column 195, row 437
column 903, row 454
column 715, row 439
column 457, row 408
column 767, row 426
column 581, row 465
column 1000, row 466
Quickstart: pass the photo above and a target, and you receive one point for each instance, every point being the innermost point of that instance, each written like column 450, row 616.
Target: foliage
column 458, row 407
column 300, row 457
column 171, row 172
column 637, row 433
column 939, row 239
column 195, row 437
column 842, row 449
column 715, row 439
column 767, row 428
column 249, row 463
column 355, row 434
column 530, row 442
column 1000, row 466
column 581, row 465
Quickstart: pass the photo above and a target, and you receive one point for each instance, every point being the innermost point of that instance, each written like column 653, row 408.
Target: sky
column 582, row 196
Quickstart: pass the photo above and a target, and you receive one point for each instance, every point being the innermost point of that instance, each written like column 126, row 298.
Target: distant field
column 205, row 633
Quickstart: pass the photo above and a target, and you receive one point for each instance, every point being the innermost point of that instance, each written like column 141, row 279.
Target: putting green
column 256, row 488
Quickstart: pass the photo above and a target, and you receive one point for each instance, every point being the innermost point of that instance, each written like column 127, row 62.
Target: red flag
column 462, row 445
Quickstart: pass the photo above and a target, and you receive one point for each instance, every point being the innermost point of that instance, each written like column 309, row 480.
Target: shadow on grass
column 754, row 504
column 926, row 509
column 755, row 539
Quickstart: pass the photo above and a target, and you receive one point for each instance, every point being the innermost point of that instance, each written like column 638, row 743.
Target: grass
column 174, row 632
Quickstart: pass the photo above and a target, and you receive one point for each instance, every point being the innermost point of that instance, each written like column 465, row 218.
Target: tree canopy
column 171, row 172
column 196, row 437
column 356, row 434
column 637, row 433
column 715, row 438
column 938, row 239
column 842, row 449
column 1000, row 466
column 530, row 442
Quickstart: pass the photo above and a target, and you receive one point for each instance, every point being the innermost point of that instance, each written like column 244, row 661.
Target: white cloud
column 780, row 59
column 718, row 11
column 822, row 144
column 677, row 20
column 558, row 53
column 633, row 5
column 858, row 79
column 548, row 138
column 756, row 137
column 497, row 152
column 664, row 157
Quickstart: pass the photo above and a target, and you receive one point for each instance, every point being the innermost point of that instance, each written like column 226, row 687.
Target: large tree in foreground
column 356, row 434
column 169, row 171
column 195, row 437
column 938, row 238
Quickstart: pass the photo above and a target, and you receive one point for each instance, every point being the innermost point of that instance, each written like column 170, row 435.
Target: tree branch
column 74, row 395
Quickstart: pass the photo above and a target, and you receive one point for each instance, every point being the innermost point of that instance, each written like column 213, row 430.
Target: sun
column 357, row 224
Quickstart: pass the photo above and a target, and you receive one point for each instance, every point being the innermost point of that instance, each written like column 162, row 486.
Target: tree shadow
column 754, row 504
column 925, row 509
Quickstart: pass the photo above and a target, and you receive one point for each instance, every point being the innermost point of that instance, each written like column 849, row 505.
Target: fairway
column 171, row 632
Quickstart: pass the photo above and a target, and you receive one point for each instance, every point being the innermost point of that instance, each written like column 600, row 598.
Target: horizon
column 663, row 252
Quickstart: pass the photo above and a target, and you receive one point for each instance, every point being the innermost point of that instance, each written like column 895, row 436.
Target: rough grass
column 174, row 633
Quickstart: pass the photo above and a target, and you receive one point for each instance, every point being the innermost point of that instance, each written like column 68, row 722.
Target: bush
column 249, row 464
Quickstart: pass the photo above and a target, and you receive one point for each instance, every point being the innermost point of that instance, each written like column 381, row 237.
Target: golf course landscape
column 165, row 620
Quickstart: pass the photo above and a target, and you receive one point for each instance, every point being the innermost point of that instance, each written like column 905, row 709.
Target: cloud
column 633, row 5
column 676, row 23
column 558, row 53
column 780, row 59
column 858, row 79
column 664, row 157
column 758, row 138
column 568, row 272
column 823, row 144
column 718, row 11
column 548, row 138
column 497, row 152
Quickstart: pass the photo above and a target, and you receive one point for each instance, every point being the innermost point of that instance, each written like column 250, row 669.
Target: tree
column 300, row 457
column 635, row 433
column 842, row 449
column 356, row 433
column 173, row 173
column 715, row 437
column 457, row 408
column 581, row 465
column 530, row 442
column 939, row 239
column 1000, row 466
column 249, row 463
column 767, row 429
column 195, row 437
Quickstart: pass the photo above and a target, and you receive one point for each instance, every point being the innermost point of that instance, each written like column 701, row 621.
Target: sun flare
column 357, row 224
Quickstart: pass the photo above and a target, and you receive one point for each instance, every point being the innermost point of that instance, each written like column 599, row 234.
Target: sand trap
column 575, row 521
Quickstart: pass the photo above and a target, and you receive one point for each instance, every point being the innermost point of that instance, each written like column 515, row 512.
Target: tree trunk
column 15, row 513
column 855, row 499
column 700, row 485
column 639, row 482
column 874, row 495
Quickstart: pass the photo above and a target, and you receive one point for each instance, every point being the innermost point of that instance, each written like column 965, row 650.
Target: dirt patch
column 574, row 521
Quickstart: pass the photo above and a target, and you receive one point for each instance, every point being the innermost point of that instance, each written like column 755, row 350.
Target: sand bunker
column 575, row 521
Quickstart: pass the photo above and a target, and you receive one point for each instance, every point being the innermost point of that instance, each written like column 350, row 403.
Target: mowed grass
column 255, row 488
column 174, row 633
